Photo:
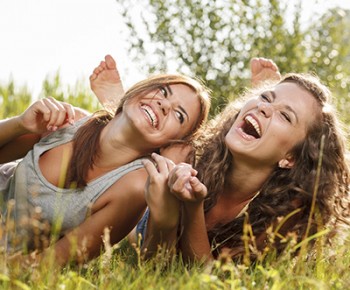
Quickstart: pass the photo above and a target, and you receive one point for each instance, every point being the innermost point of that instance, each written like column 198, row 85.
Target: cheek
column 287, row 141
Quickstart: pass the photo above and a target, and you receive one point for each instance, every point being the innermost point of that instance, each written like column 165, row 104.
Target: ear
column 286, row 163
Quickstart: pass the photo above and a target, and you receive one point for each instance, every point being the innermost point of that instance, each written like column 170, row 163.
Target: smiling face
column 165, row 114
column 270, row 125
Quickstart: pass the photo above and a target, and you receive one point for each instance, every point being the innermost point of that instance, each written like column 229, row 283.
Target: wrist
column 165, row 217
column 19, row 127
column 166, row 221
column 194, row 205
column 164, row 212
column 193, row 208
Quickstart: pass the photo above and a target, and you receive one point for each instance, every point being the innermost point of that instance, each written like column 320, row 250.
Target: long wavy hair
column 86, row 143
column 286, row 190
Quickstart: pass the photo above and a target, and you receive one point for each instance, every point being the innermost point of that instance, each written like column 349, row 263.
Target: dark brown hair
column 287, row 189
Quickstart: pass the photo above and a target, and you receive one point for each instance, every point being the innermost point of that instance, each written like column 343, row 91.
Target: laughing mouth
column 150, row 115
column 251, row 127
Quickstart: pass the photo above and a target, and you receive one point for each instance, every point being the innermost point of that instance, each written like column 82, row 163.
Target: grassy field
column 122, row 268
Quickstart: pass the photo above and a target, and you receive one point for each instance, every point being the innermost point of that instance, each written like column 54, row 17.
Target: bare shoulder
column 128, row 189
column 135, row 180
column 131, row 184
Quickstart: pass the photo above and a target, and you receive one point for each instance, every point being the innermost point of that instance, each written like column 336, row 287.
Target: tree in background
column 329, row 41
column 215, row 39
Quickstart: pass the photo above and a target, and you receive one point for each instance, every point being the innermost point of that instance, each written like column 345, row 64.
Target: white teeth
column 150, row 114
column 255, row 124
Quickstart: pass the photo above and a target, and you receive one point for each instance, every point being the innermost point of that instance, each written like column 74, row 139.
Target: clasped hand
column 166, row 178
column 45, row 115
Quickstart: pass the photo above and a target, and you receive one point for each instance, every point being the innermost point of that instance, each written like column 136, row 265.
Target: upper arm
column 18, row 147
column 118, row 209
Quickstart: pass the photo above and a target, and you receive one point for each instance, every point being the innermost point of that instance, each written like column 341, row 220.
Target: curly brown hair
column 86, row 139
column 286, row 190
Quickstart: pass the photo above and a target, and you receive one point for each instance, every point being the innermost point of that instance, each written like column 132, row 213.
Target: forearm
column 15, row 140
column 159, row 236
column 194, row 242
column 10, row 129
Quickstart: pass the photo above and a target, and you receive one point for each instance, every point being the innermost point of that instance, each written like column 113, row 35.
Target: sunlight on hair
column 327, row 108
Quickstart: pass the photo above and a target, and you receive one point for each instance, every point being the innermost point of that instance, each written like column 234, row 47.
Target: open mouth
column 251, row 127
column 150, row 115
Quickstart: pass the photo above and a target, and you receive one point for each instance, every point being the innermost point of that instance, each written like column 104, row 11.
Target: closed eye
column 265, row 98
column 286, row 117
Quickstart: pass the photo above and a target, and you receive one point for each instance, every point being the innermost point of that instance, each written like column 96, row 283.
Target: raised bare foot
column 263, row 69
column 106, row 84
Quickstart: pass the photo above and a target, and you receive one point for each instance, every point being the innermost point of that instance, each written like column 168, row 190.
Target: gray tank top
column 30, row 190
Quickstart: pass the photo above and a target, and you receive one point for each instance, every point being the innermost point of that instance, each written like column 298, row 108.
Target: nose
column 164, row 105
column 265, row 108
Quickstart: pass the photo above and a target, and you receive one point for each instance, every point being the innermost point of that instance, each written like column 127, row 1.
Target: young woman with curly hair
column 259, row 165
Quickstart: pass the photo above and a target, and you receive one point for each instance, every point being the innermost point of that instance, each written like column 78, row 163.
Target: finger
column 150, row 167
column 199, row 189
column 188, row 167
column 170, row 164
column 70, row 113
column 182, row 169
column 40, row 107
column 57, row 113
column 61, row 113
column 161, row 163
column 179, row 184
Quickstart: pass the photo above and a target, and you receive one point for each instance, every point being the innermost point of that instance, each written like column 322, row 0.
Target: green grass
column 122, row 268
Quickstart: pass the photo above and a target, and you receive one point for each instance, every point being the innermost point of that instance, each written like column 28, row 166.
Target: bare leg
column 106, row 84
column 263, row 69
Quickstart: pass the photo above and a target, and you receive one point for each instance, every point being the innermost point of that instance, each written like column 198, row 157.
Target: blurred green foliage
column 79, row 95
column 15, row 99
column 215, row 40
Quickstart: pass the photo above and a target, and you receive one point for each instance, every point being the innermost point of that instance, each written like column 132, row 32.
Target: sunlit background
column 41, row 37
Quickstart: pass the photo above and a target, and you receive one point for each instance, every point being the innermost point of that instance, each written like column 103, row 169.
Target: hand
column 46, row 114
column 184, row 184
column 164, row 206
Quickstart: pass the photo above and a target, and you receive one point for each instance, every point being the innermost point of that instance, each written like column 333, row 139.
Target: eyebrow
column 289, row 108
column 182, row 109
